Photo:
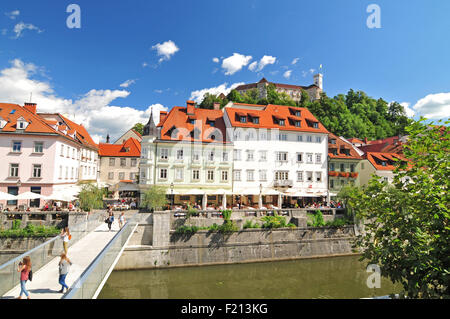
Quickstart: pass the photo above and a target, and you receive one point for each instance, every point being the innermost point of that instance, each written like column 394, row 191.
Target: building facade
column 280, row 154
column 42, row 153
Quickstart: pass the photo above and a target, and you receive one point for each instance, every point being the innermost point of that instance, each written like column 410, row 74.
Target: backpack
column 30, row 275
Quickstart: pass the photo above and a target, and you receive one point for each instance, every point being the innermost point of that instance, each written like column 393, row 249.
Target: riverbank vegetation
column 30, row 231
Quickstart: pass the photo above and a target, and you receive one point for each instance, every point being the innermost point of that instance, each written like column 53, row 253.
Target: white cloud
column 287, row 74
column 144, row 64
column 265, row 60
column 13, row 14
column 434, row 106
column 92, row 109
column 295, row 61
column 312, row 71
column 235, row 63
column 127, row 83
column 165, row 50
column 20, row 27
column 197, row 96
column 409, row 112
column 159, row 91
column 216, row 60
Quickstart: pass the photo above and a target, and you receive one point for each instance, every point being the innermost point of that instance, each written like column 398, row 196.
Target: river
column 332, row 277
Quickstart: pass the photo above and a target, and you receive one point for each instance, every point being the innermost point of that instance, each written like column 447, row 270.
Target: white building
column 279, row 151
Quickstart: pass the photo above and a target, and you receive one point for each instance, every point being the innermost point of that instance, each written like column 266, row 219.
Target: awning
column 6, row 196
column 220, row 192
column 247, row 191
column 195, row 191
column 30, row 195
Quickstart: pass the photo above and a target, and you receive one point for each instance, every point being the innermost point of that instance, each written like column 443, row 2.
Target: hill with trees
column 350, row 115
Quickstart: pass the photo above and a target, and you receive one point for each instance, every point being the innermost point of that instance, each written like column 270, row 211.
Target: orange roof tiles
column 268, row 113
column 377, row 159
column 130, row 148
column 340, row 144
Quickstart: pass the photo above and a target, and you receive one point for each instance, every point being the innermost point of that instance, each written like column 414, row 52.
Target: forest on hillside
column 350, row 115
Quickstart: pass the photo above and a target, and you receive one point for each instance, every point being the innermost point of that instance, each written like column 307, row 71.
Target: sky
column 130, row 58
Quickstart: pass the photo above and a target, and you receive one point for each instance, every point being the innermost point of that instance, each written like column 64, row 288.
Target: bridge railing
column 44, row 253
column 90, row 283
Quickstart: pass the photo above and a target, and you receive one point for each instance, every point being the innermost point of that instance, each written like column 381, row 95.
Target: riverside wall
column 155, row 244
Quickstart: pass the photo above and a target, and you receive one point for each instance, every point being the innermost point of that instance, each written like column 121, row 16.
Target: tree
column 91, row 197
column 139, row 127
column 154, row 198
column 406, row 223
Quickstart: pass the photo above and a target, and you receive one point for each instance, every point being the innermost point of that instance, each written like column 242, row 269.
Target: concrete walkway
column 45, row 281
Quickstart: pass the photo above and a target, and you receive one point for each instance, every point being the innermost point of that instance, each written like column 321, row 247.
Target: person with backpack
column 64, row 266
column 25, row 275
column 110, row 219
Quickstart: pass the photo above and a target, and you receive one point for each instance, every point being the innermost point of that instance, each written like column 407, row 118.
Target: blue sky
column 71, row 70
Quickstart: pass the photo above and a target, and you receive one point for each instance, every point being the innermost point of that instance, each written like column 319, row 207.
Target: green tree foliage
column 406, row 223
column 154, row 198
column 91, row 197
column 139, row 127
column 210, row 99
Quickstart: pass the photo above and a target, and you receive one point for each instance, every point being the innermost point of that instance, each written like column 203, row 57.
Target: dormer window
column 192, row 121
column 211, row 123
column 21, row 124
column 243, row 119
column 383, row 163
column 297, row 123
column 281, row 122
column 2, row 123
column 256, row 120
column 297, row 113
column 333, row 141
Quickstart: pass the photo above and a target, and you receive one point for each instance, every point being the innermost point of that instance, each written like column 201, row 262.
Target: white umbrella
column 6, row 196
column 61, row 197
column 30, row 195
column 221, row 192
column 195, row 191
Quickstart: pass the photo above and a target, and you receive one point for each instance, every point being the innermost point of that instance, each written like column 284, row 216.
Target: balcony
column 283, row 183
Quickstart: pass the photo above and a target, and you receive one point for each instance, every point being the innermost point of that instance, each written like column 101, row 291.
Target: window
column 318, row 176
column 309, row 176
column 250, row 175
column 316, row 125
column 250, row 155
column 309, row 158
column 262, row 156
column 299, row 157
column 282, row 137
column 383, row 163
column 237, row 155
column 332, row 183
column 237, row 135
column 224, row 176
column 164, row 154
column 38, row 147
column 143, row 174
column 13, row 170
column 309, row 138
column 179, row 154
column 111, row 175
column 179, row 173
column 68, row 151
column 73, row 153
column 196, row 175
column 299, row 138
column 352, row 168
column 211, row 156
column 282, row 156
column 225, row 157
column 196, row 156
column 112, row 161
column 299, row 176
column 133, row 176
column 210, row 175
column 297, row 123
column 331, row 166
column 21, row 125
column 133, row 162
column 263, row 175
column 163, row 173
column 62, row 150
column 318, row 158
column 281, row 122
column 237, row 175
column 121, row 176
column 72, row 173
column 123, row 162
column 67, row 173
column 243, row 119
column 256, row 120
column 297, row 113
column 333, row 141
column 342, row 167
column 263, row 136
column 318, row 139
column 60, row 172
column 281, row 175
column 16, row 147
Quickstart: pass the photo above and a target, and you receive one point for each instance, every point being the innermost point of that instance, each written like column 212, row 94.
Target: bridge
column 93, row 250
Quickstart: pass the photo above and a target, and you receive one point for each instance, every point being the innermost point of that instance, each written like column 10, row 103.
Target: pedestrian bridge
column 93, row 250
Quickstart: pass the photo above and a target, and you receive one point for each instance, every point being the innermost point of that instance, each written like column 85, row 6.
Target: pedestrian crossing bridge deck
column 93, row 251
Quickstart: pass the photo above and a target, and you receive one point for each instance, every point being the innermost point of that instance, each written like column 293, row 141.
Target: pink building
column 42, row 153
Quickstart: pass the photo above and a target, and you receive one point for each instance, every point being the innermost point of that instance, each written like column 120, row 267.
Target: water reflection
column 337, row 277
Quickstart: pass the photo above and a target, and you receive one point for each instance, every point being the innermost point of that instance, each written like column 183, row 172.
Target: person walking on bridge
column 24, row 269
column 65, row 236
column 64, row 266
column 121, row 220
column 110, row 219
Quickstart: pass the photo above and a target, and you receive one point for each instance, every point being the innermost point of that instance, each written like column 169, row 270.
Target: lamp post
column 19, row 183
column 171, row 190
column 260, row 201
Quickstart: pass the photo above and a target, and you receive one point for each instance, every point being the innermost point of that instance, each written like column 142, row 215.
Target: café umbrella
column 30, row 195
column 6, row 196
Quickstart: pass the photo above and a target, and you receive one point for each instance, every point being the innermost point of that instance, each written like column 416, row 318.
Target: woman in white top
column 121, row 220
column 65, row 236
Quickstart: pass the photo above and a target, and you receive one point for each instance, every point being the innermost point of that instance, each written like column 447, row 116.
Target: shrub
column 275, row 221
column 227, row 227
column 249, row 224
column 316, row 219
column 187, row 230
column 227, row 214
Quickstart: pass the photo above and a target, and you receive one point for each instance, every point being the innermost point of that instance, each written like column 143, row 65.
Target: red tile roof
column 267, row 115
column 377, row 158
column 176, row 127
column 340, row 144
column 355, row 140
column 130, row 148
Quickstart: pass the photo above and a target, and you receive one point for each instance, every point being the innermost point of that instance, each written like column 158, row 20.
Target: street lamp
column 171, row 190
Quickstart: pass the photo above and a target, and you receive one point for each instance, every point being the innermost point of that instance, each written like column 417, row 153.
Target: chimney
column 365, row 140
column 190, row 107
column 216, row 106
column 162, row 116
column 30, row 107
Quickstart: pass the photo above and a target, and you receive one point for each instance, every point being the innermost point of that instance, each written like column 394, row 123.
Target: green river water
column 333, row 277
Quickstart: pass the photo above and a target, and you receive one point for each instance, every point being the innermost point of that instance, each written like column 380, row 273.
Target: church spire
column 150, row 127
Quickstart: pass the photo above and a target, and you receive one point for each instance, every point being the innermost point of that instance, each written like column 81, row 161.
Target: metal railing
column 90, row 283
column 43, row 254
